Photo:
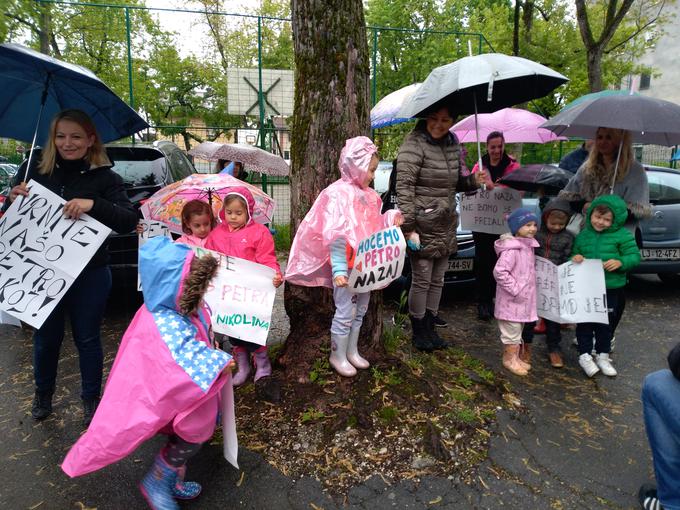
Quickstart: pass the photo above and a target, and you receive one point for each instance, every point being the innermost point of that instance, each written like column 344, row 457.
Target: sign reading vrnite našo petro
column 42, row 253
column 240, row 298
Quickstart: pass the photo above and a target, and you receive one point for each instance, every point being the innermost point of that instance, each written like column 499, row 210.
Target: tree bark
column 331, row 105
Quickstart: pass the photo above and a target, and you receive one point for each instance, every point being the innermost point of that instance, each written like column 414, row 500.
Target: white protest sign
column 240, row 298
column 379, row 260
column 6, row 318
column 150, row 229
column 486, row 210
column 571, row 292
column 42, row 253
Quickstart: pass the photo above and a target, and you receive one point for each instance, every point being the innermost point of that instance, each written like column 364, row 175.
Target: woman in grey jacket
column 429, row 166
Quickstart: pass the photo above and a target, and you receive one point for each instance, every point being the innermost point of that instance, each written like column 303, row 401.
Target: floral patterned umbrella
column 166, row 204
column 253, row 158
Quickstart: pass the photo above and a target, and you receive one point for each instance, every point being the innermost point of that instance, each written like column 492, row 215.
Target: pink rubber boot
column 243, row 364
column 263, row 367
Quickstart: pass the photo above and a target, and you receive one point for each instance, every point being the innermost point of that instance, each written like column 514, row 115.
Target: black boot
column 420, row 339
column 42, row 404
column 89, row 408
column 436, row 341
column 484, row 311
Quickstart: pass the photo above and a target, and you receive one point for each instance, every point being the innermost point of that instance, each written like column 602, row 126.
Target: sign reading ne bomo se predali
column 486, row 210
column 379, row 259
column 240, row 298
column 42, row 253
column 571, row 293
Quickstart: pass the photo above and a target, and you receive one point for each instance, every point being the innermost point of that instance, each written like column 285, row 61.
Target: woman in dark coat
column 74, row 165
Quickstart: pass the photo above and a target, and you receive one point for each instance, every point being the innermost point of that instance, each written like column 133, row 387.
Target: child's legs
column 528, row 332
column 603, row 338
column 250, row 347
column 616, row 303
column 345, row 310
column 177, row 451
column 584, row 336
column 553, row 335
column 362, row 301
column 511, row 332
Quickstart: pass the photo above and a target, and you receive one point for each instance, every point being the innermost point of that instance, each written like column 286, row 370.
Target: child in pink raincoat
column 166, row 377
column 343, row 214
column 197, row 223
column 238, row 235
column 515, row 275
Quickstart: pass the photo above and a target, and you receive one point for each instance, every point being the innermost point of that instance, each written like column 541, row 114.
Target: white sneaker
column 588, row 365
column 604, row 363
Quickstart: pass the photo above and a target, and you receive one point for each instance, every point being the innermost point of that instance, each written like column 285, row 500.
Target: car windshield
column 139, row 166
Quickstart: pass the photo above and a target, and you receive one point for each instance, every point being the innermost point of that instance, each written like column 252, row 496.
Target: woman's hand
column 139, row 229
column 578, row 258
column 586, row 206
column 398, row 220
column 611, row 265
column 340, row 281
column 277, row 280
column 75, row 208
column 481, row 179
column 19, row 189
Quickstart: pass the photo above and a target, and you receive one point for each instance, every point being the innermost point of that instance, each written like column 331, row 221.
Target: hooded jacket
column 166, row 375
column 555, row 247
column 348, row 210
column 507, row 163
column 515, row 275
column 429, row 173
column 253, row 242
column 615, row 242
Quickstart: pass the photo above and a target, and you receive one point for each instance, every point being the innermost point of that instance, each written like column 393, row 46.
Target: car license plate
column 656, row 254
column 460, row 265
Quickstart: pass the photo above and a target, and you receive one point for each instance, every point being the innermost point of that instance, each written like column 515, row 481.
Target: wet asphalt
column 573, row 443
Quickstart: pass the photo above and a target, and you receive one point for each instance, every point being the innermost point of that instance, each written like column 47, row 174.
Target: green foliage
column 311, row 415
column 388, row 413
column 282, row 240
column 390, row 378
column 465, row 416
column 321, row 371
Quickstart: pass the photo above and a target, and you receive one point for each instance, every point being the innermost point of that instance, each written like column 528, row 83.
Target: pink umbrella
column 166, row 204
column 516, row 125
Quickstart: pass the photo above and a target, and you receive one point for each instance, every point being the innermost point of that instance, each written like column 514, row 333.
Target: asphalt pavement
column 573, row 443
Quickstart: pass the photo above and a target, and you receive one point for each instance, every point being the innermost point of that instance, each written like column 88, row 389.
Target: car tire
column 670, row 278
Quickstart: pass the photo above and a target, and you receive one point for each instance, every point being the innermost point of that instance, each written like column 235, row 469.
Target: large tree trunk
column 331, row 105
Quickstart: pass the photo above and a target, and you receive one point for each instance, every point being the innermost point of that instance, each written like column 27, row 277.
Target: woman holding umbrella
column 75, row 166
column 611, row 168
column 429, row 173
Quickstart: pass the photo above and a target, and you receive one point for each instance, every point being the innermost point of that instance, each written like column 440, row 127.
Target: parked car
column 145, row 168
column 661, row 233
column 7, row 173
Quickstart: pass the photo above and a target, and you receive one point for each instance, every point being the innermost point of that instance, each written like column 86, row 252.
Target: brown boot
column 511, row 359
column 525, row 356
column 556, row 359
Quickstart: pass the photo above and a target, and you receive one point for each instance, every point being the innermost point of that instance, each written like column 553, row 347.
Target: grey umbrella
column 649, row 120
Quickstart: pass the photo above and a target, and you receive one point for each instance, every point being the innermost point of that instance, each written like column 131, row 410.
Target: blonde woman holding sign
column 74, row 165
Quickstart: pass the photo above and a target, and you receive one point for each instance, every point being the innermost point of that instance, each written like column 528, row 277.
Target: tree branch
column 639, row 30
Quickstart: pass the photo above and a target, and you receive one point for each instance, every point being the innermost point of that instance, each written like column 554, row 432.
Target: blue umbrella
column 35, row 87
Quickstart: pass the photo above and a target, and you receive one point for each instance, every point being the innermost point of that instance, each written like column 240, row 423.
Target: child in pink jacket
column 515, row 276
column 238, row 235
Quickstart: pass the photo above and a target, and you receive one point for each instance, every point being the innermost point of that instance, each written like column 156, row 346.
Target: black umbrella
column 550, row 178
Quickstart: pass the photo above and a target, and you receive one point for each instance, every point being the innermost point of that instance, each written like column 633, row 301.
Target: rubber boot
column 436, row 341
column 338, row 357
column 420, row 338
column 353, row 355
column 42, row 405
column 185, row 490
column 525, row 355
column 511, row 359
column 263, row 367
column 157, row 486
column 243, row 364
column 89, row 408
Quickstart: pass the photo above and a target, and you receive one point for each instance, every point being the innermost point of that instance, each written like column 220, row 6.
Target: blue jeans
column 84, row 303
column 661, row 406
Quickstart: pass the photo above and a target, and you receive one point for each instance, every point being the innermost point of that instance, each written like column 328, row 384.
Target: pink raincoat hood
column 243, row 193
column 346, row 209
column 355, row 157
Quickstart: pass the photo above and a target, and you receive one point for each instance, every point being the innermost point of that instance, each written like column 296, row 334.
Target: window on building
column 645, row 79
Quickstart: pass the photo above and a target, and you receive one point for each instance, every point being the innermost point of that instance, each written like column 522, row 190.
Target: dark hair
column 195, row 208
column 674, row 361
column 495, row 134
column 602, row 209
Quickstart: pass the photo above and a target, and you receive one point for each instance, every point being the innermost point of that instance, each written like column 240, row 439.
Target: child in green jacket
column 604, row 237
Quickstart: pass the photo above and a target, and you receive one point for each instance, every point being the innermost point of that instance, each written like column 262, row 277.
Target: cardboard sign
column 150, row 229
column 378, row 261
column 240, row 298
column 486, row 210
column 571, row 292
column 42, row 253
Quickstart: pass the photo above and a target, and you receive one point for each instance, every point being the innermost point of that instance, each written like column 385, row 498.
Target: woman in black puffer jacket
column 429, row 175
column 74, row 165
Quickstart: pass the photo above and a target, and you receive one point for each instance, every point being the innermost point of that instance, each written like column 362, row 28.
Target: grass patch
column 282, row 240
column 311, row 415
column 388, row 413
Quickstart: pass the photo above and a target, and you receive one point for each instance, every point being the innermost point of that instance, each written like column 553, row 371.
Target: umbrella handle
column 479, row 145
column 616, row 166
